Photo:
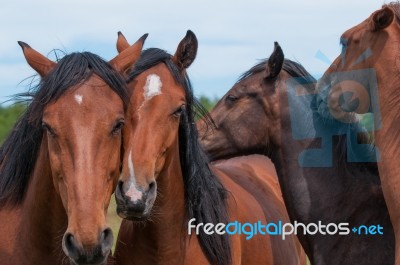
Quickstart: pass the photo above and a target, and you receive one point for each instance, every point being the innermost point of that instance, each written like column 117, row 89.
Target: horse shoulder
column 9, row 224
column 256, row 175
column 244, row 208
column 194, row 254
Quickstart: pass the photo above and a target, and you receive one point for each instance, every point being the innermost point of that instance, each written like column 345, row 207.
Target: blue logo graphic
column 332, row 111
column 368, row 230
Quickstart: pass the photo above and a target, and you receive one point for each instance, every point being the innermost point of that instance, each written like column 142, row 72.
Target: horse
column 60, row 164
column 367, row 72
column 167, row 186
column 324, row 173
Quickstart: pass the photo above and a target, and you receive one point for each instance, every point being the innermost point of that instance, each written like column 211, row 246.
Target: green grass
column 8, row 116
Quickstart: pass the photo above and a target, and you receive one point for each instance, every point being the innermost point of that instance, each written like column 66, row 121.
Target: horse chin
column 71, row 262
column 134, row 216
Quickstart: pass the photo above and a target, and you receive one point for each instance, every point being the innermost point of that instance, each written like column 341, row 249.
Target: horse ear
column 275, row 62
column 37, row 61
column 186, row 51
column 124, row 61
column 381, row 19
column 122, row 43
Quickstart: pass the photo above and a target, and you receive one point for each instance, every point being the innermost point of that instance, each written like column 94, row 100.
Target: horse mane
column 19, row 151
column 205, row 196
column 294, row 69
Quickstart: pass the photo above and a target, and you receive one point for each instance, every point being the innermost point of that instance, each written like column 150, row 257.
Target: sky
column 232, row 35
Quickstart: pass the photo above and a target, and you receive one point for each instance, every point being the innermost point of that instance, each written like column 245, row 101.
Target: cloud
column 232, row 35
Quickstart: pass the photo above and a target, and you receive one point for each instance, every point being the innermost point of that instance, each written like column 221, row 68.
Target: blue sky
column 233, row 35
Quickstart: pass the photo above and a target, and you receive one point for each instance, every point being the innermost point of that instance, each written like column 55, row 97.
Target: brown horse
column 61, row 163
column 365, row 78
column 168, row 186
column 272, row 110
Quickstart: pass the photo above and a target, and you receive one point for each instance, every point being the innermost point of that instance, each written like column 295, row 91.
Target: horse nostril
column 92, row 254
column 120, row 186
column 119, row 192
column 152, row 187
column 69, row 246
column 106, row 241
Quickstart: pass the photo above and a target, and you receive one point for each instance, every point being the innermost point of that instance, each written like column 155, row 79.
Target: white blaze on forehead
column 79, row 98
column 132, row 192
column 152, row 87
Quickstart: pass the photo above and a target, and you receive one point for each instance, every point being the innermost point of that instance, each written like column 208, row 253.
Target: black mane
column 19, row 152
column 205, row 196
column 292, row 68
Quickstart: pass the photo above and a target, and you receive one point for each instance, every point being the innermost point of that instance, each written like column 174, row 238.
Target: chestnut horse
column 167, row 184
column 272, row 110
column 371, row 52
column 61, row 162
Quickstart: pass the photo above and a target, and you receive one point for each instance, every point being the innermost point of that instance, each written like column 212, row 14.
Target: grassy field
column 113, row 220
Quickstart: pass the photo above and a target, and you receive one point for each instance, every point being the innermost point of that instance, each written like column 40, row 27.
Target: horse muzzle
column 133, row 203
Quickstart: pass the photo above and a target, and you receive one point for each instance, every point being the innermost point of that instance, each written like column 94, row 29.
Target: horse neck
column 385, row 61
column 161, row 240
column 387, row 69
column 347, row 187
column 43, row 218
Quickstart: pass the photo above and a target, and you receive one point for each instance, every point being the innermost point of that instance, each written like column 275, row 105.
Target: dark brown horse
column 61, row 163
column 168, row 186
column 325, row 174
column 367, row 74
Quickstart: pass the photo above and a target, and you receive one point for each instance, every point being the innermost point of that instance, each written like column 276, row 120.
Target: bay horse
column 367, row 71
column 60, row 164
column 272, row 110
column 167, row 184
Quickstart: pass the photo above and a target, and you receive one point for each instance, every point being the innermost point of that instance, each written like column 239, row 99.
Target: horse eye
column 179, row 111
column 231, row 98
column 49, row 130
column 118, row 127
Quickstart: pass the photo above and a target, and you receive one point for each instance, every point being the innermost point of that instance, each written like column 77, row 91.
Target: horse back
column 257, row 179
